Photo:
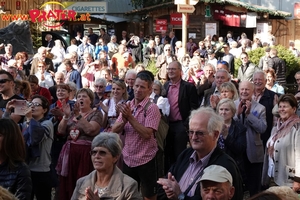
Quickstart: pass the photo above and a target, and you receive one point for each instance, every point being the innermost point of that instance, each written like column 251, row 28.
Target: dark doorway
column 178, row 33
column 237, row 31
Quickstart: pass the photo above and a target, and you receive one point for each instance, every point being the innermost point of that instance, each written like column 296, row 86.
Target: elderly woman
column 233, row 136
column 271, row 82
column 81, row 126
column 14, row 173
column 107, row 181
column 194, row 72
column 282, row 163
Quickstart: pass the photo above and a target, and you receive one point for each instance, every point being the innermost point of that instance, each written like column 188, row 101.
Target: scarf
column 283, row 129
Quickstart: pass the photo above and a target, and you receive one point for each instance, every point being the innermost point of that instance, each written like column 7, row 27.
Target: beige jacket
column 120, row 187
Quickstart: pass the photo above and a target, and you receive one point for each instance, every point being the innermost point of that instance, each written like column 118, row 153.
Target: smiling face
column 173, row 71
column 270, row 79
column 259, row 81
column 117, row 91
column 246, row 90
column 202, row 144
column 225, row 111
column 103, row 159
column 62, row 93
column 285, row 110
column 211, row 190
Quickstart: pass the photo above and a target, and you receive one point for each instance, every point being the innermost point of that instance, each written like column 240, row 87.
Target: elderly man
column 216, row 183
column 129, row 80
column 212, row 94
column 253, row 116
column 182, row 181
column 267, row 98
column 41, row 56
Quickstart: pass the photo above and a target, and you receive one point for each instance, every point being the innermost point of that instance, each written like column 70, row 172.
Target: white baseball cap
column 217, row 174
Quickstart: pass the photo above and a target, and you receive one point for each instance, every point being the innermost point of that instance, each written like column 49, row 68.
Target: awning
column 110, row 18
column 248, row 6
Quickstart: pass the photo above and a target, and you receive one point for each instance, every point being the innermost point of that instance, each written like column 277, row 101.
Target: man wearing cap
column 216, row 183
column 182, row 181
column 263, row 61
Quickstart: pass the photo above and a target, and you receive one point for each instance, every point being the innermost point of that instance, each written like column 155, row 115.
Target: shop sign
column 176, row 19
column 297, row 10
column 87, row 7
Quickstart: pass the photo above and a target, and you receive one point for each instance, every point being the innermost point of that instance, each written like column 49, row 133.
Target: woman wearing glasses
column 107, row 181
column 38, row 136
column 81, row 126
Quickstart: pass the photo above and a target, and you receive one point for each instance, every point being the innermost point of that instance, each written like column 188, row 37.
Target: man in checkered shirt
column 138, row 121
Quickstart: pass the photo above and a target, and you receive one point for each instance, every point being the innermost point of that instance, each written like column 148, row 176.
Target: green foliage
column 292, row 63
column 152, row 68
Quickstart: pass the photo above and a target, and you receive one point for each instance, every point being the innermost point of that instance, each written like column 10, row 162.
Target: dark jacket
column 280, row 69
column 16, row 181
column 218, row 157
column 187, row 99
column 236, row 144
column 267, row 100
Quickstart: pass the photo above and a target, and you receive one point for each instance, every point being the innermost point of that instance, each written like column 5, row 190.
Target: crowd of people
column 90, row 121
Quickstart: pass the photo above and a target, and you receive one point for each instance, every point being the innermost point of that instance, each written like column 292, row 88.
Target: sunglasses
column 99, row 86
column 41, row 66
column 167, row 49
column 4, row 81
column 100, row 152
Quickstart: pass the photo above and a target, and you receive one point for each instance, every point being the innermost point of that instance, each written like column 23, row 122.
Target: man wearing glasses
column 246, row 70
column 183, row 179
column 183, row 99
column 163, row 61
column 7, row 93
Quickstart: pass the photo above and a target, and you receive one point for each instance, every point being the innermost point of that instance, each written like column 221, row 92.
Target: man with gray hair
column 253, row 116
column 216, row 183
column 129, row 80
column 182, row 181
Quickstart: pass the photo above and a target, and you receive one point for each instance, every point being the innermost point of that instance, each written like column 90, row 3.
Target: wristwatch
column 78, row 117
column 181, row 196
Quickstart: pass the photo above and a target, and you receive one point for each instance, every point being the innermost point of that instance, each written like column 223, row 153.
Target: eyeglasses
column 100, row 152
column 99, row 86
column 4, row 81
column 171, row 69
column 35, row 104
column 198, row 133
column 167, row 49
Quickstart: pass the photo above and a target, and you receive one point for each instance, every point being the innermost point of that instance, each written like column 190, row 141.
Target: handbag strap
column 192, row 184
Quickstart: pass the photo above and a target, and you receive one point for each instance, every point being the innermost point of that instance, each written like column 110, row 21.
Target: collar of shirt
column 204, row 160
column 142, row 104
column 216, row 92
column 175, row 84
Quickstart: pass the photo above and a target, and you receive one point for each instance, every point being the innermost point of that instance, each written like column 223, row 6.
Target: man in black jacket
column 183, row 99
column 182, row 181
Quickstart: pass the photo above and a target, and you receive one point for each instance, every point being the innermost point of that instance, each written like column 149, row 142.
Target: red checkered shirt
column 137, row 150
